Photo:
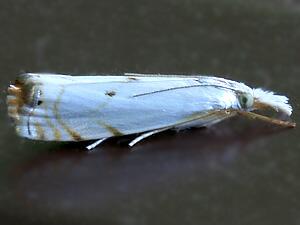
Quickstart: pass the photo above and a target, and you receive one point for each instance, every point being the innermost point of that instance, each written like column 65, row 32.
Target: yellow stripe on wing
column 114, row 131
column 55, row 130
column 39, row 131
column 75, row 135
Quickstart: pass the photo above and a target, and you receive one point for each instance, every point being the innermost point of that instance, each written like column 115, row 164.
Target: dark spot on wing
column 110, row 93
column 132, row 78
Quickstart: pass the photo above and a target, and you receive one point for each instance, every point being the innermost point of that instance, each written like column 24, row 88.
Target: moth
column 54, row 107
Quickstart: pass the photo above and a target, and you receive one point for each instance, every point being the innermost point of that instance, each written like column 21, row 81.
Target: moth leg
column 95, row 144
column 145, row 135
column 278, row 122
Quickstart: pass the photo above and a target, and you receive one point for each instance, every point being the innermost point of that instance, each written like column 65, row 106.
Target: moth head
column 260, row 99
column 267, row 99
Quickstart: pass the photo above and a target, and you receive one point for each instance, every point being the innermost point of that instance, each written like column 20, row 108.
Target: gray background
column 237, row 172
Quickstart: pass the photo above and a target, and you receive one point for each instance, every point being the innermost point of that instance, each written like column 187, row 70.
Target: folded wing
column 67, row 108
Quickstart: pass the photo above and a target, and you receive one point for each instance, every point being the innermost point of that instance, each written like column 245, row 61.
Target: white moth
column 53, row 107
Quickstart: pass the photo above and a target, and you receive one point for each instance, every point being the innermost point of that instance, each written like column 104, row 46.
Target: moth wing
column 66, row 108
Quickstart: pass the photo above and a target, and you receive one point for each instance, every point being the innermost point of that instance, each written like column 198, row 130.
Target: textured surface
column 239, row 172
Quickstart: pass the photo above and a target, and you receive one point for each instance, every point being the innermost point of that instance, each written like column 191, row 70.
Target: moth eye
column 246, row 100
